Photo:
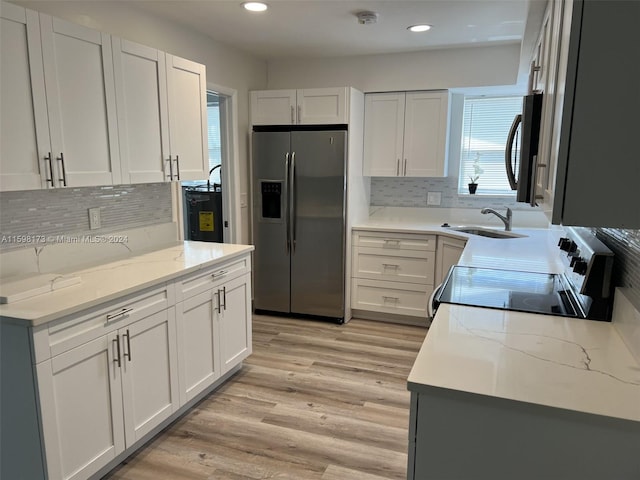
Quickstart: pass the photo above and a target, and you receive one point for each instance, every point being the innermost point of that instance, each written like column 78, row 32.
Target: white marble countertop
column 112, row 280
column 567, row 363
column 536, row 251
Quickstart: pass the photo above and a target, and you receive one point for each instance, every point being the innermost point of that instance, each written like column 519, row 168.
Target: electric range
column 582, row 290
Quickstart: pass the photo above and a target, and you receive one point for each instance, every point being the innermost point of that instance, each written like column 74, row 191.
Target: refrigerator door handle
column 292, row 202
column 287, row 206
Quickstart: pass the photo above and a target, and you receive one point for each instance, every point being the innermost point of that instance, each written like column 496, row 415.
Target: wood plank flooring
column 315, row 401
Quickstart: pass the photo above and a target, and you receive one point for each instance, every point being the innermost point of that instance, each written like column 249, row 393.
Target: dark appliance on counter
column 203, row 213
column 299, row 226
column 584, row 290
column 520, row 160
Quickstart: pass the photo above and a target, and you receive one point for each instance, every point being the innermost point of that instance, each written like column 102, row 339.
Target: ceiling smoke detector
column 367, row 18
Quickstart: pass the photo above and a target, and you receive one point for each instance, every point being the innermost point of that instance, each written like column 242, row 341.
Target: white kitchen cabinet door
column 198, row 334
column 81, row 103
column 384, row 134
column 322, row 106
column 312, row 106
column 81, row 408
column 273, row 107
column 187, row 92
column 24, row 127
column 149, row 373
column 448, row 253
column 141, row 95
column 235, row 322
column 426, row 122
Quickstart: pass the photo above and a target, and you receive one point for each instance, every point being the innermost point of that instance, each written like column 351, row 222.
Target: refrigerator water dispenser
column 271, row 199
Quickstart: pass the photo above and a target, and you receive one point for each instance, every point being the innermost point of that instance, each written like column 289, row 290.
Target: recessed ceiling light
column 419, row 28
column 255, row 6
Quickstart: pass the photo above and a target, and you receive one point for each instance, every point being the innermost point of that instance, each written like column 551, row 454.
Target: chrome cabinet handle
column 286, row 191
column 405, row 167
column 177, row 167
column 293, row 113
column 64, row 173
column 397, row 167
column 390, row 265
column 48, row 159
column 219, row 307
column 299, row 114
column 117, row 342
column 127, row 354
column 391, row 241
column 386, row 298
column 224, row 297
column 221, row 273
column 170, row 167
column 121, row 313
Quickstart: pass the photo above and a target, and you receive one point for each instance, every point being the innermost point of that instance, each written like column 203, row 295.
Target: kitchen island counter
column 112, row 280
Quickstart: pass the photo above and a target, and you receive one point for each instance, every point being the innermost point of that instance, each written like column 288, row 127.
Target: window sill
column 487, row 195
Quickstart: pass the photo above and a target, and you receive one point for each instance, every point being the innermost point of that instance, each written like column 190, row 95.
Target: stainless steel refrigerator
column 299, row 204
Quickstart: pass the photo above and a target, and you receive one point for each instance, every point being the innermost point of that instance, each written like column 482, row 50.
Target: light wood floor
column 314, row 401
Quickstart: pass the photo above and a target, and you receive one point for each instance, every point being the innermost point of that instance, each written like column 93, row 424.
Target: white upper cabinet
column 141, row 96
column 82, row 108
column 24, row 129
column 81, row 103
column 383, row 134
column 589, row 150
column 313, row 106
column 405, row 134
column 426, row 120
column 187, row 90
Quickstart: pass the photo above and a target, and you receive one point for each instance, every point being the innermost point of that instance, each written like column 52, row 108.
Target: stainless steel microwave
column 522, row 149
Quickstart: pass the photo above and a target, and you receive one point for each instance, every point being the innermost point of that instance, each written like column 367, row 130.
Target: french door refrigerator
column 299, row 204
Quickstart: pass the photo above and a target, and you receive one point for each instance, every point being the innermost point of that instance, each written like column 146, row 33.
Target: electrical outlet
column 94, row 218
column 434, row 198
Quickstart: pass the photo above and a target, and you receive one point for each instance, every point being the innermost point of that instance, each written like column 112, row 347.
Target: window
column 214, row 139
column 485, row 127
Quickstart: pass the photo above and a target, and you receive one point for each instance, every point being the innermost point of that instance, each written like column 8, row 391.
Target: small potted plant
column 477, row 171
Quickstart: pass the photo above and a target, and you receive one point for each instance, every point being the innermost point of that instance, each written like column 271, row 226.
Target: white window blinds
column 213, row 135
column 485, row 127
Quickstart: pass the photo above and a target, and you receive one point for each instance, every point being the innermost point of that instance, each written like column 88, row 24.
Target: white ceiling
column 316, row 28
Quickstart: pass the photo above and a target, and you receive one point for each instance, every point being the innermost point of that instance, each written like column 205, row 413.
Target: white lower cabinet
column 105, row 379
column 103, row 396
column 81, row 409
column 392, row 272
column 235, row 322
column 448, row 252
column 198, row 334
column 214, row 334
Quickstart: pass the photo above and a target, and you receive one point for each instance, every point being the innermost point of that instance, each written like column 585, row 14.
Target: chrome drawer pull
column 390, row 265
column 221, row 273
column 391, row 242
column 121, row 313
column 394, row 299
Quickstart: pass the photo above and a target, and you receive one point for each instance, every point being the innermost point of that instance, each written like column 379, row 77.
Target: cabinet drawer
column 69, row 332
column 204, row 280
column 395, row 241
column 397, row 266
column 390, row 297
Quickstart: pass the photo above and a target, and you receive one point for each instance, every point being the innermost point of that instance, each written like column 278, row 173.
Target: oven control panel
column 588, row 262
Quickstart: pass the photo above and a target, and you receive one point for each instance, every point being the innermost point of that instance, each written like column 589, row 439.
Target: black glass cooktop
column 508, row 290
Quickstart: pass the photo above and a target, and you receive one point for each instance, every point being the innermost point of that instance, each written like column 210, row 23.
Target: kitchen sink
column 488, row 232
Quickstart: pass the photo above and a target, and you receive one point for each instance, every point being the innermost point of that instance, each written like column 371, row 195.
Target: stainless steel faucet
column 506, row 220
